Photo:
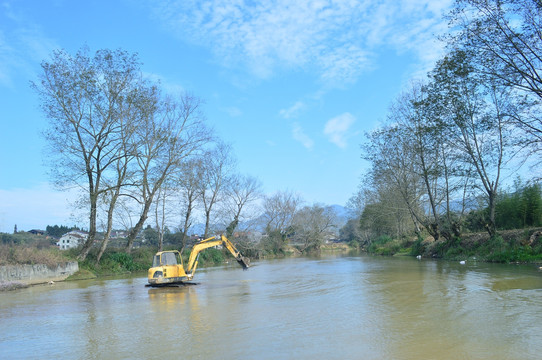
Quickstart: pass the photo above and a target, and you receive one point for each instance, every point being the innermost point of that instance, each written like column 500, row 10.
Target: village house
column 71, row 240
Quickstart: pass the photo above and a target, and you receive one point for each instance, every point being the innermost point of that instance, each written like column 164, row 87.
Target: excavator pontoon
column 167, row 266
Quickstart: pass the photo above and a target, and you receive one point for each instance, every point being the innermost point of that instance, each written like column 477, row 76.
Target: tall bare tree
column 476, row 113
column 86, row 99
column 393, row 171
column 162, row 209
column 243, row 190
column 189, row 183
column 171, row 131
column 506, row 35
column 112, row 196
column 217, row 167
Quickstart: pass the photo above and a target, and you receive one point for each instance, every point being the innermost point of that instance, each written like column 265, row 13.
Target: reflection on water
column 334, row 307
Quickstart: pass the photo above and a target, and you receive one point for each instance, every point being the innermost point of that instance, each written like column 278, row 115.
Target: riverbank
column 18, row 267
column 509, row 246
column 514, row 246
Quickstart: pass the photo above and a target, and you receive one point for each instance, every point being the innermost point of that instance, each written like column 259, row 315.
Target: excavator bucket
column 243, row 261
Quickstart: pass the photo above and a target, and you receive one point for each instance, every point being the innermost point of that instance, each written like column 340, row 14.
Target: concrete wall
column 36, row 274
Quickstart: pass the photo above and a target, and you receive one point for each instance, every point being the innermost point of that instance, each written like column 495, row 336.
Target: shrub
column 384, row 245
column 417, row 248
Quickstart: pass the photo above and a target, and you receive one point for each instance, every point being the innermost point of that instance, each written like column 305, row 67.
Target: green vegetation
column 26, row 248
column 512, row 246
column 438, row 161
column 116, row 261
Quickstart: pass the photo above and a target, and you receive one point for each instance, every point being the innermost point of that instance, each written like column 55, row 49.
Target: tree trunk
column 107, row 234
column 490, row 226
column 92, row 228
column 186, row 222
column 137, row 228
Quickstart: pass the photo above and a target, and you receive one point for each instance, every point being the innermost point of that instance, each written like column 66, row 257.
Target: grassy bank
column 524, row 246
column 31, row 255
column 113, row 262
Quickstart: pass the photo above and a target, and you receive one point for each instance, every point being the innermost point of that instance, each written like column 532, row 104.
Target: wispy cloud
column 170, row 87
column 232, row 111
column 337, row 40
column 293, row 111
column 299, row 135
column 22, row 45
column 337, row 129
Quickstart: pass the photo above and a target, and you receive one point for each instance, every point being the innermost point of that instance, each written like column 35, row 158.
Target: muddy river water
column 340, row 307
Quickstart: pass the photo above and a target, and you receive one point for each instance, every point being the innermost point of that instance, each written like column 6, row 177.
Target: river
column 335, row 307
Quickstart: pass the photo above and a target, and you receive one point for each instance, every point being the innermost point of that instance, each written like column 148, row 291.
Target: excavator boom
column 210, row 242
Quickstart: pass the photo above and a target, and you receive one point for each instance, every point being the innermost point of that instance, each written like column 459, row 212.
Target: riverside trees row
column 448, row 141
column 133, row 149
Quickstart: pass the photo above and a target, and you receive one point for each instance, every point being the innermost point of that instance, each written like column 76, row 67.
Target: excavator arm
column 210, row 242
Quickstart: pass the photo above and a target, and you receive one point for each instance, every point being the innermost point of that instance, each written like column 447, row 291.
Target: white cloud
column 337, row 129
column 299, row 135
column 292, row 111
column 337, row 40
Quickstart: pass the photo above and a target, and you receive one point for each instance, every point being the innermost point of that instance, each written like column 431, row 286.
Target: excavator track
column 179, row 284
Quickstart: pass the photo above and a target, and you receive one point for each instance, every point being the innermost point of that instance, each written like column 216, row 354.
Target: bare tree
column 241, row 193
column 171, row 131
column 421, row 129
column 506, row 36
column 85, row 99
column 112, row 196
column 189, row 183
column 162, row 209
column 476, row 116
column 278, row 215
column 356, row 202
column 217, row 167
column 393, row 172
column 312, row 224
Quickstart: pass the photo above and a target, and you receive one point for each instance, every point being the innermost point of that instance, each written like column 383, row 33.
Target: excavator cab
column 167, row 268
column 167, row 258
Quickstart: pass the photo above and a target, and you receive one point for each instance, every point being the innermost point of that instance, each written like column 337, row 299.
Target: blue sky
column 292, row 85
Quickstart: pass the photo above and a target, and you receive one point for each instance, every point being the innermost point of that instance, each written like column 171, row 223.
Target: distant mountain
column 342, row 215
column 341, row 211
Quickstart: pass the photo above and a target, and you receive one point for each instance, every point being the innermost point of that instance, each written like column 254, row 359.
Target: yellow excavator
column 167, row 266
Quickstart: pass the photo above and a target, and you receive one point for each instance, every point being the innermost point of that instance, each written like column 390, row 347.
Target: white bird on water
column 462, row 262
column 419, row 257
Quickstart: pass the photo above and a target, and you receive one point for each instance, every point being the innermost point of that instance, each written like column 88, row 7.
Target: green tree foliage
column 151, row 236
column 351, row 232
column 520, row 209
column 57, row 231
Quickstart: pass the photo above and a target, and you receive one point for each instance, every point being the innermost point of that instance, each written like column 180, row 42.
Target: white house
column 71, row 240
